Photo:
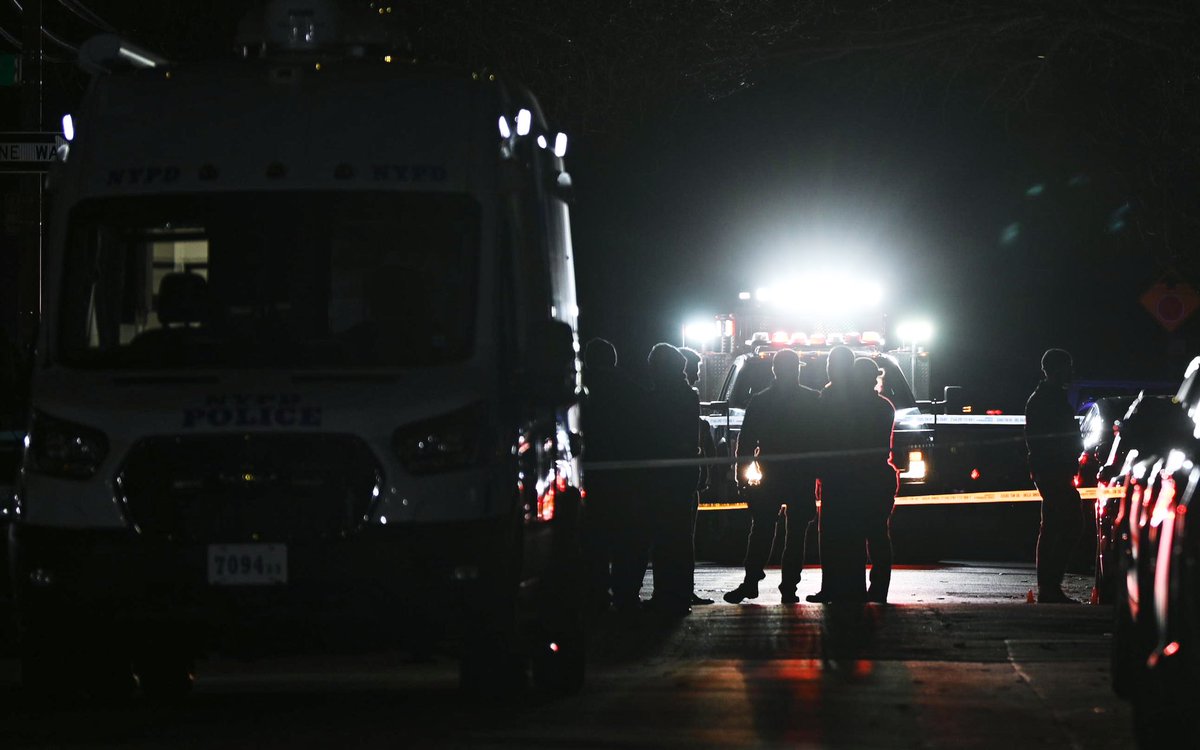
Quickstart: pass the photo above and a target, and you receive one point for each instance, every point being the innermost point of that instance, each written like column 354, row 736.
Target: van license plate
column 247, row 564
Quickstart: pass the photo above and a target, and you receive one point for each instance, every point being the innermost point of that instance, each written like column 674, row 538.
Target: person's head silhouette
column 599, row 354
column 666, row 365
column 786, row 367
column 841, row 360
column 1057, row 366
column 691, row 369
column 865, row 374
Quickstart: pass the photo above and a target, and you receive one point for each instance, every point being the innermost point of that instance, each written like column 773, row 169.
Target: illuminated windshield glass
column 270, row 279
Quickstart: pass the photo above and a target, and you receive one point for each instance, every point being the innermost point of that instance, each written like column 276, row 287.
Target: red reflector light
column 545, row 509
column 974, row 473
column 994, row 412
column 1171, row 648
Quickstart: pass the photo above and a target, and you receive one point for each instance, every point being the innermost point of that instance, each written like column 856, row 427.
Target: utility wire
column 11, row 39
column 60, row 42
column 45, row 32
column 83, row 12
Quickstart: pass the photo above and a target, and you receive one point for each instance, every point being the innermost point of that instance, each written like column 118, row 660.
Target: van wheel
column 559, row 663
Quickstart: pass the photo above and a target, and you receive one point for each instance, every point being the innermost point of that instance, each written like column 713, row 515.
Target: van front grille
column 248, row 487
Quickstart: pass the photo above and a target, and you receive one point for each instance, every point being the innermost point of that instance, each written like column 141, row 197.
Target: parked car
column 1156, row 639
column 1103, row 456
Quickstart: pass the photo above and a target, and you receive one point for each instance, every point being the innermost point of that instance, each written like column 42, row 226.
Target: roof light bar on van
column 872, row 337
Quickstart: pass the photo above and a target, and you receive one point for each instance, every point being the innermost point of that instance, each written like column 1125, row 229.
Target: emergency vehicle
column 946, row 453
column 307, row 372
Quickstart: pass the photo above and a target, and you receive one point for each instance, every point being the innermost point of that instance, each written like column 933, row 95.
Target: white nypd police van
column 307, row 370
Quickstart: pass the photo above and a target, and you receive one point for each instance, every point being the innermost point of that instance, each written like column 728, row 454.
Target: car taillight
column 59, row 448
column 449, row 442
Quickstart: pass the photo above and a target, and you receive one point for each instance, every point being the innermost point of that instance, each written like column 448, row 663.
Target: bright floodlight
column 915, row 331
column 701, row 331
column 560, row 145
column 504, row 131
column 825, row 294
column 68, row 127
column 524, row 121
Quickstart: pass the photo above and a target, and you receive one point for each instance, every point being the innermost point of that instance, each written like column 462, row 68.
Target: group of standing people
column 833, row 445
column 645, row 510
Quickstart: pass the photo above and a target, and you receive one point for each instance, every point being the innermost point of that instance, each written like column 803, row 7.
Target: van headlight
column 58, row 448
column 449, row 442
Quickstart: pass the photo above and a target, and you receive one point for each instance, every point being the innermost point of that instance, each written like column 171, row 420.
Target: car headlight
column 449, row 442
column 59, row 448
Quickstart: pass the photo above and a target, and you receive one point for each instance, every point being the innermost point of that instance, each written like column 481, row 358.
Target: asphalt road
column 958, row 660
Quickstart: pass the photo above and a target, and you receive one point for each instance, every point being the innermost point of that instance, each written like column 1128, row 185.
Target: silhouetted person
column 708, row 449
column 779, row 421
column 668, row 425
column 1054, row 443
column 843, row 548
column 609, row 411
column 875, row 417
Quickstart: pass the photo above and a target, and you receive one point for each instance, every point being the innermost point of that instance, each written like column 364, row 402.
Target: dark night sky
column 934, row 196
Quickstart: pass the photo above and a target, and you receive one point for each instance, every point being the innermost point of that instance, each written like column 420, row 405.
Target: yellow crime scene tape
column 1090, row 494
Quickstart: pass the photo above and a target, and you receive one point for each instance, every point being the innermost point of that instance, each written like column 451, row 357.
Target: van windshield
column 279, row 279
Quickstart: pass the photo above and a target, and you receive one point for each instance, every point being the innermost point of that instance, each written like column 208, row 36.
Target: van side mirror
column 553, row 367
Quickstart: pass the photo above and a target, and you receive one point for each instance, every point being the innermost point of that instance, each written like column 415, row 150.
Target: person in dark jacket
column 1054, row 443
column 668, row 428
column 878, row 480
column 779, row 421
column 608, row 410
column 843, row 546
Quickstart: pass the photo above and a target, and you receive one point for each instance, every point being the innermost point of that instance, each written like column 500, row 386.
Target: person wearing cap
column 878, row 479
column 780, row 421
column 1054, row 443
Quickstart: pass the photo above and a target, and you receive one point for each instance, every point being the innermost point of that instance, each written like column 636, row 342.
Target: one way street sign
column 29, row 152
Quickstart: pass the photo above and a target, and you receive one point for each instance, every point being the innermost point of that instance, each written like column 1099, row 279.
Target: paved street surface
column 959, row 660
